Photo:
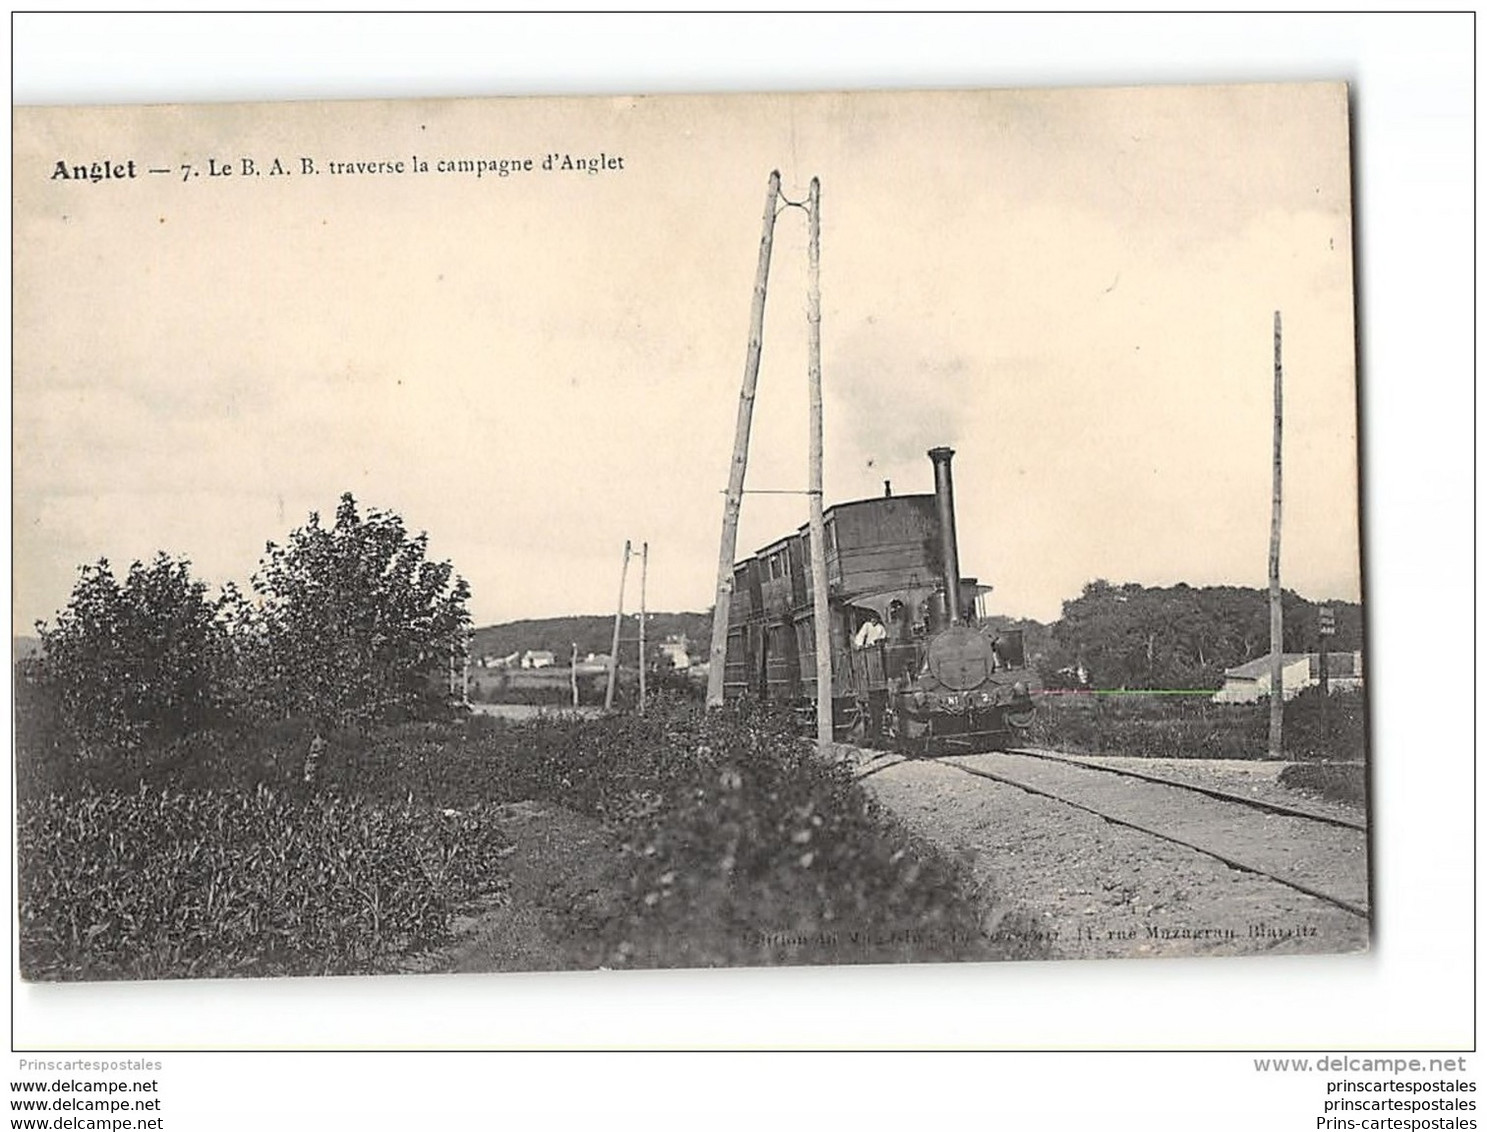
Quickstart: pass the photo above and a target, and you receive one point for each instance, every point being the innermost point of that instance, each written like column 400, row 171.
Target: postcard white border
column 1412, row 77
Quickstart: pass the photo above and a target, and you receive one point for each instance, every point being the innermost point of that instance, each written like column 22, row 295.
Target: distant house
column 500, row 661
column 673, row 651
column 537, row 658
column 1250, row 681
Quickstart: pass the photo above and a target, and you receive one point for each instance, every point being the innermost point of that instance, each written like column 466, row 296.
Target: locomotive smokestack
column 945, row 505
column 887, row 489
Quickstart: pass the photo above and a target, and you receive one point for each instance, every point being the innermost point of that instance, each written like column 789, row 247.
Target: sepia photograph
column 554, row 534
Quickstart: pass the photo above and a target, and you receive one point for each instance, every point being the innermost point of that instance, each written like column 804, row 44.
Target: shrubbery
column 1193, row 727
column 1339, row 782
column 131, row 662
column 349, row 624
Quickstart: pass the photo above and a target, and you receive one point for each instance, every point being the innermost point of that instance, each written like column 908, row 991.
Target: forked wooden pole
column 614, row 648
column 1277, row 665
column 718, row 655
column 645, row 552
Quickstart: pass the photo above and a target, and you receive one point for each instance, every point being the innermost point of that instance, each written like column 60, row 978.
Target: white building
column 673, row 651
column 537, row 658
column 1250, row 681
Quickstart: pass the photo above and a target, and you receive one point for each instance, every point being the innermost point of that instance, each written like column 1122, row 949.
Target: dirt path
column 1105, row 890
column 561, row 870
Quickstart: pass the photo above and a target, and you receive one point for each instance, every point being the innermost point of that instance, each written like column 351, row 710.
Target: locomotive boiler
column 914, row 663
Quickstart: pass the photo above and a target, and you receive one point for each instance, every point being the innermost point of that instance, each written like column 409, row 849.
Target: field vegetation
column 209, row 856
column 1331, row 759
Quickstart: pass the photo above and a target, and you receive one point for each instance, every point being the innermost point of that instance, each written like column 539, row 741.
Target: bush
column 754, row 851
column 131, row 662
column 1341, row 782
column 1346, row 736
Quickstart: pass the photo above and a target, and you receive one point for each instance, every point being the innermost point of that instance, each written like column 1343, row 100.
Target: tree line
column 347, row 624
column 351, row 623
column 592, row 633
column 1134, row 636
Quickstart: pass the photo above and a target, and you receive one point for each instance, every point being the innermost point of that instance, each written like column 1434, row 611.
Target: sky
column 1073, row 288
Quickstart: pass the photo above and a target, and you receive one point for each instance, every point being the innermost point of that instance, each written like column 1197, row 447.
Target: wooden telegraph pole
column 1326, row 627
column 820, row 605
column 718, row 655
column 465, row 673
column 645, row 549
column 614, row 648
column 1277, row 666
column 573, row 674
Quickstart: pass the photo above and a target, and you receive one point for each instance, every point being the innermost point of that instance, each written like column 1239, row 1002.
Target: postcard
column 686, row 531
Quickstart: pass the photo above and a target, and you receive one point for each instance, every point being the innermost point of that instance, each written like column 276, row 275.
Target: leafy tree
column 1132, row 636
column 131, row 661
column 353, row 623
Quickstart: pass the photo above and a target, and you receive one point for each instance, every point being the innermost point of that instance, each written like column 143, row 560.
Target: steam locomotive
column 913, row 664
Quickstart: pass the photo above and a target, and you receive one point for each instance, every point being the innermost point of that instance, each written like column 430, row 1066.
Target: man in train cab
column 869, row 636
column 870, row 632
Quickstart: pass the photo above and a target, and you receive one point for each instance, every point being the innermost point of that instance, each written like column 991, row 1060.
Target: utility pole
column 1277, row 665
column 718, row 656
column 614, row 648
column 820, row 604
column 1326, row 627
column 465, row 673
column 573, row 674
column 645, row 549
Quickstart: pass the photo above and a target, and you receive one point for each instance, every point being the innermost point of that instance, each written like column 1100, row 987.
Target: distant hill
column 592, row 633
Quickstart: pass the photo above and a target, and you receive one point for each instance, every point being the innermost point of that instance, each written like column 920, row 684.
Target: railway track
column 1239, row 799
column 1318, row 855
